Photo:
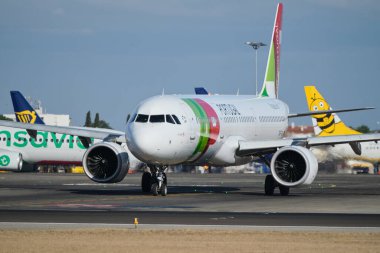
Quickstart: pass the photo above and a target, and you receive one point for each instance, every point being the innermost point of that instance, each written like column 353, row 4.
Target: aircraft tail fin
column 272, row 73
column 23, row 110
column 328, row 124
column 201, row 91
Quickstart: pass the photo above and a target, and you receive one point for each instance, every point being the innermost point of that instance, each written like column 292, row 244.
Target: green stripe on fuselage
column 204, row 125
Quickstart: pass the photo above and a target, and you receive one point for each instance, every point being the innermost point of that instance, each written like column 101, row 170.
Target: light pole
column 255, row 45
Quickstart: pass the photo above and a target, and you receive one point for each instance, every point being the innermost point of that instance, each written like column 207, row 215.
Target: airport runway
column 216, row 199
column 192, row 218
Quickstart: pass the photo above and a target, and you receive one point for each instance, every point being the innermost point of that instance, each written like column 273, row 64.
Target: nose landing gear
column 155, row 180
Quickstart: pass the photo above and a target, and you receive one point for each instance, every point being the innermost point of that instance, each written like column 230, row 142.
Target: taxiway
column 193, row 199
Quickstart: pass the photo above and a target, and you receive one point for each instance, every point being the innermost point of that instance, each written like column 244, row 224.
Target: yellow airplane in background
column 330, row 124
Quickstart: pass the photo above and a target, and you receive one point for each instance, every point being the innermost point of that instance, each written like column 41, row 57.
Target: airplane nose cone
column 154, row 145
column 141, row 144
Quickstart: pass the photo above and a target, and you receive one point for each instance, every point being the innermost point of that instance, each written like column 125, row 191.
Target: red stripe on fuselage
column 213, row 120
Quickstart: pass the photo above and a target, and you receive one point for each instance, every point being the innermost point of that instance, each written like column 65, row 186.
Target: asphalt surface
column 217, row 199
column 192, row 218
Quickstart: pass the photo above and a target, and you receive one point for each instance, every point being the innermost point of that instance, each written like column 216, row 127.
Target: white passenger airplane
column 17, row 145
column 216, row 130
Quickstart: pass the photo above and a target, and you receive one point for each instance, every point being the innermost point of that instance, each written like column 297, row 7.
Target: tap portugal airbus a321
column 209, row 129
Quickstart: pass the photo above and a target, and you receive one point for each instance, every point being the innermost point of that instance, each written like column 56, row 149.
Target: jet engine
column 106, row 162
column 11, row 161
column 294, row 165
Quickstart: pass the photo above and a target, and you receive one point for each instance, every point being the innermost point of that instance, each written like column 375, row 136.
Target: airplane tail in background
column 272, row 74
column 201, row 91
column 325, row 124
column 23, row 110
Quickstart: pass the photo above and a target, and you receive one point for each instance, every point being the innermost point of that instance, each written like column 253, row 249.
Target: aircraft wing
column 340, row 139
column 261, row 147
column 270, row 146
column 81, row 132
column 295, row 115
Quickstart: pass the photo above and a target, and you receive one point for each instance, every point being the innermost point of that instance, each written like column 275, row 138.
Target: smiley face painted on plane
column 325, row 121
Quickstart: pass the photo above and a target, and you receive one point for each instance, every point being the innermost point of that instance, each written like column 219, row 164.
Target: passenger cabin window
column 169, row 119
column 143, row 118
column 176, row 119
column 157, row 118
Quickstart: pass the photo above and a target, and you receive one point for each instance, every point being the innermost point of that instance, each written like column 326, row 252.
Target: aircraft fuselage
column 209, row 130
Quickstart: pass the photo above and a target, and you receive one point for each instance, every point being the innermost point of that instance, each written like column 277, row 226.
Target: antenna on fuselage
column 163, row 91
column 238, row 91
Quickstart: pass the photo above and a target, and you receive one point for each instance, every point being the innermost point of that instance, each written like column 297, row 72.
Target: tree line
column 98, row 123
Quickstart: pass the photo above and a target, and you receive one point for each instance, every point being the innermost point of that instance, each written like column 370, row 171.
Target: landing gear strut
column 155, row 181
column 271, row 184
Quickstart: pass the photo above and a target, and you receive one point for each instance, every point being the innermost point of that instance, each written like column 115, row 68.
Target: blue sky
column 107, row 55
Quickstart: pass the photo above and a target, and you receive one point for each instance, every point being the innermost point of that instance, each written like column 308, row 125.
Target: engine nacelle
column 106, row 162
column 11, row 161
column 294, row 165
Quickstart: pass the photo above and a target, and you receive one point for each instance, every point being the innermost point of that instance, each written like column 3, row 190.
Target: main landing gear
column 271, row 184
column 155, row 180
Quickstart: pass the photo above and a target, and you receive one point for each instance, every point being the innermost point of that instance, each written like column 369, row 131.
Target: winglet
column 272, row 74
column 325, row 124
column 23, row 110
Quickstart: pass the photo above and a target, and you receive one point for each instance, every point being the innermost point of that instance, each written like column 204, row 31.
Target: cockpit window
column 133, row 118
column 169, row 119
column 157, row 118
column 176, row 119
column 143, row 118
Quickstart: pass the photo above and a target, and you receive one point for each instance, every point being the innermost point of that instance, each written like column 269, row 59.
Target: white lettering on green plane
column 21, row 139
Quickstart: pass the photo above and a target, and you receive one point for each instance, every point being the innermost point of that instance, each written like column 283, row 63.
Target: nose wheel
column 155, row 181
